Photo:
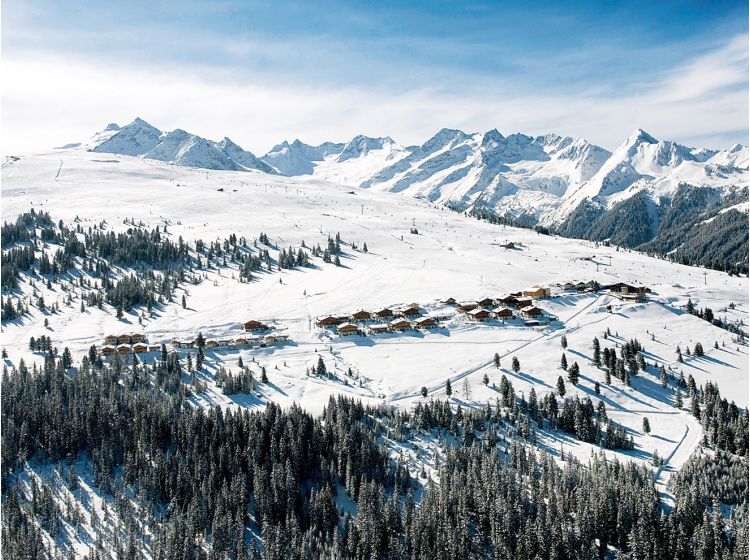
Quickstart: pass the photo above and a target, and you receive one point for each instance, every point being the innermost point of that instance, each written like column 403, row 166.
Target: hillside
column 135, row 245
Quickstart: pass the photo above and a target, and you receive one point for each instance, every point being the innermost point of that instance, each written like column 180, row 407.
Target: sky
column 264, row 72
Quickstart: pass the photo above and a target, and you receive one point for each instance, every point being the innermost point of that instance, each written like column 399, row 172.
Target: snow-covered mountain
column 532, row 180
column 541, row 179
column 140, row 139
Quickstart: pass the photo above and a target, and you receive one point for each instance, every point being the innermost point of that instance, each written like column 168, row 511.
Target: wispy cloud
column 265, row 91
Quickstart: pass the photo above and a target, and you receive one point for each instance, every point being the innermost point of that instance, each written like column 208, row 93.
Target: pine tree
column 184, row 302
column 564, row 362
column 496, row 360
column 573, row 373
column 564, row 341
column 560, row 386
column 597, row 388
column 646, row 426
column 486, row 379
column 264, row 376
column 423, row 391
column 448, row 389
column 678, row 399
column 516, row 365
column 597, row 352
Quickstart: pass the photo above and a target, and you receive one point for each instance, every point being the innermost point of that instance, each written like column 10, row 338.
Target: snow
column 452, row 256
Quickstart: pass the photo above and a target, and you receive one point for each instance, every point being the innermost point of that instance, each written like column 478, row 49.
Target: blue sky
column 267, row 71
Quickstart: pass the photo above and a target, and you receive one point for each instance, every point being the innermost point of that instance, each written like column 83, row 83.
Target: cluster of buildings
column 255, row 333
column 409, row 317
column 505, row 308
column 127, row 344
column 404, row 318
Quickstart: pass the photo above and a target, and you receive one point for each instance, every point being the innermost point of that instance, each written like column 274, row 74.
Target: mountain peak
column 639, row 136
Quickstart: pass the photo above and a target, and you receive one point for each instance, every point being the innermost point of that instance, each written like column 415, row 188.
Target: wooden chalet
column 135, row 337
column 623, row 288
column 507, row 300
column 212, row 343
column 154, row 347
column 503, row 313
column 124, row 349
column 537, row 292
column 467, row 306
column 379, row 329
column 486, row 302
column 531, row 311
column 450, row 301
column 254, row 326
column 479, row 314
column 140, row 347
column 411, row 311
column 346, row 329
column 524, row 302
column 426, row 323
column 399, row 325
column 107, row 350
column 329, row 321
column 240, row 340
column 111, row 339
column 384, row 313
column 361, row 316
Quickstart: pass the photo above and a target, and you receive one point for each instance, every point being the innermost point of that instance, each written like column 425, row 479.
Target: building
column 124, row 349
column 503, row 313
column 399, row 325
column 107, row 350
column 111, row 340
column 537, row 292
column 361, row 316
column 623, row 288
column 450, row 301
column 384, row 313
column 523, row 302
column 467, row 306
column 507, row 300
column 426, row 323
column 212, row 343
column 479, row 314
column 531, row 311
column 329, row 321
column 240, row 340
column 154, row 347
column 346, row 329
column 140, row 347
column 254, row 326
column 135, row 337
column 486, row 302
column 411, row 311
column 379, row 329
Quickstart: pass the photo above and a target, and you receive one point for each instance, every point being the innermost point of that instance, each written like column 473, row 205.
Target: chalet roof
column 347, row 326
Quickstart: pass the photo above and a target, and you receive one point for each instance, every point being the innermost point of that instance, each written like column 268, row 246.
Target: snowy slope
column 452, row 256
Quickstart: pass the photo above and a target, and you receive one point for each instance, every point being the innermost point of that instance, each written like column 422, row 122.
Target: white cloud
column 50, row 100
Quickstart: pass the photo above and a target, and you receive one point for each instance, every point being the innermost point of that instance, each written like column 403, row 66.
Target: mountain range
column 564, row 184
